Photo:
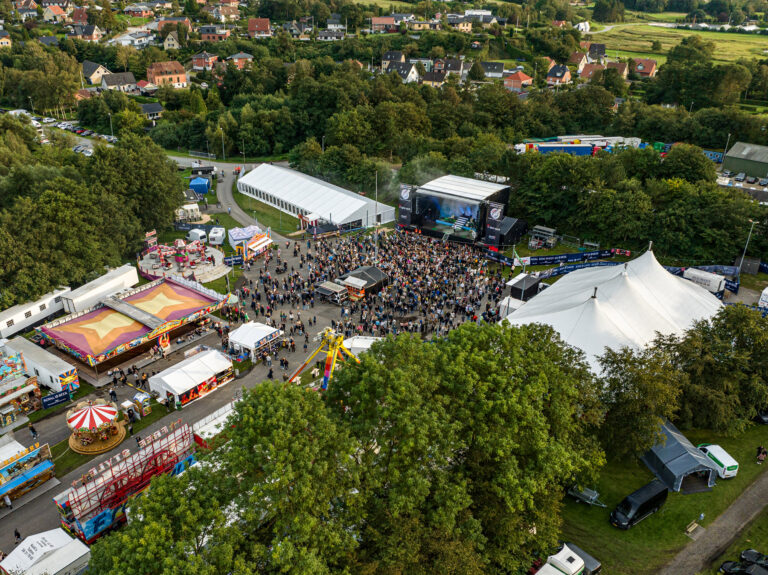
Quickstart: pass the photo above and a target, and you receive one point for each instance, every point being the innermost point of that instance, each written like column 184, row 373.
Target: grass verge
column 755, row 536
column 648, row 546
column 267, row 216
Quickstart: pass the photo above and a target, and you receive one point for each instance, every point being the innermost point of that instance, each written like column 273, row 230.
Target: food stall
column 22, row 468
column 253, row 337
column 17, row 398
column 193, row 377
column 142, row 403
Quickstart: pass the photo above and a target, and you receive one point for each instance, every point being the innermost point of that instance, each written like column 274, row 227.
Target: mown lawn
column 648, row 546
column 755, row 536
column 267, row 216
column 637, row 39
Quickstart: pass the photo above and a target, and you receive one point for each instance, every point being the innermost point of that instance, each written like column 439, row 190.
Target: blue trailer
column 573, row 149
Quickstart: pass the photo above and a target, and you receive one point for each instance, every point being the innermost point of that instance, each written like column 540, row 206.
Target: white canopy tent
column 508, row 305
column 359, row 343
column 298, row 194
column 189, row 373
column 617, row 306
column 252, row 336
column 50, row 552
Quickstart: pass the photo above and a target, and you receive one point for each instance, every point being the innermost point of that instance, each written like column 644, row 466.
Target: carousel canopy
column 92, row 416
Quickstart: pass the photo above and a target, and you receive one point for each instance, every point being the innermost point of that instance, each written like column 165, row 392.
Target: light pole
column 31, row 105
column 376, row 223
column 728, row 141
column 223, row 157
column 690, row 108
column 746, row 245
column 110, row 124
column 322, row 145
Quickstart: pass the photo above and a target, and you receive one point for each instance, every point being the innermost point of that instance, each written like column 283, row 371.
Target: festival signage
column 405, row 203
column 233, row 261
column 11, row 366
column 55, row 399
column 493, row 219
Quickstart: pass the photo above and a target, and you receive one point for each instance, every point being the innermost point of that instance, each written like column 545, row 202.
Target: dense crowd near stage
column 433, row 285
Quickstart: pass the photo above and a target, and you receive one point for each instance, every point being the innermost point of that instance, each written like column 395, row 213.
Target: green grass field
column 649, row 545
column 755, row 536
column 267, row 216
column 636, row 40
column 635, row 16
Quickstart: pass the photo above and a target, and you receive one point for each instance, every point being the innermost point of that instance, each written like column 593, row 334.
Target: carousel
column 95, row 428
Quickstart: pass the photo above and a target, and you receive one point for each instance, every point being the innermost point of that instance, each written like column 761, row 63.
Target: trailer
column 713, row 283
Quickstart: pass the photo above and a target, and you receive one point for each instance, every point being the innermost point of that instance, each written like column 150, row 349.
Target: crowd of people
column 433, row 286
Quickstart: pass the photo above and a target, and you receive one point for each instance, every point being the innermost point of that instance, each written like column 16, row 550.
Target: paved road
column 698, row 555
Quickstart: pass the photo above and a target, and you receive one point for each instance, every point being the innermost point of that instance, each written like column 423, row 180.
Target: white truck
column 570, row 560
column 713, row 283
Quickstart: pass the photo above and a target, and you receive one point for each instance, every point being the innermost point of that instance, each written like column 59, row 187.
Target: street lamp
column 111, row 130
column 746, row 245
column 223, row 157
column 726, row 146
column 322, row 145
column 31, row 105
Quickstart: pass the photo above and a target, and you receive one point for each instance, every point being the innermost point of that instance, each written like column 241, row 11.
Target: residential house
column 434, row 79
column 89, row 33
column 226, row 13
column 204, row 61
column 80, row 16
column 451, row 66
column 213, row 33
column 146, row 88
column 407, row 71
column 138, row 40
column 298, row 30
column 485, row 20
column 596, row 52
column 171, row 41
column 644, row 67
column 459, row 23
column 65, row 5
column 230, row 2
column 583, row 27
column 173, row 21
column 391, row 56
column 5, row 39
column 122, row 81
column 517, row 81
column 419, row 25
column 399, row 18
column 559, row 24
column 241, row 60
column 426, row 62
column 334, row 22
column 381, row 24
column 54, row 14
column 589, row 70
column 493, row 69
column 152, row 111
column 621, row 67
column 559, row 74
column 477, row 12
column 259, row 28
column 139, row 11
column 171, row 72
column 49, row 41
column 27, row 14
column 549, row 63
column 94, row 72
column 83, row 95
column 578, row 60
column 24, row 4
column 330, row 35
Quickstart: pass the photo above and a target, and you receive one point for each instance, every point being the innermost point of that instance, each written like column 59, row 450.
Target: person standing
column 17, row 536
column 7, row 501
column 33, row 431
column 113, row 394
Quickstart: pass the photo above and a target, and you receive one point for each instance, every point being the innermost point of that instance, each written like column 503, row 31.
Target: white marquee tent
column 359, row 343
column 297, row 194
column 617, row 306
column 189, row 373
column 51, row 552
column 253, row 335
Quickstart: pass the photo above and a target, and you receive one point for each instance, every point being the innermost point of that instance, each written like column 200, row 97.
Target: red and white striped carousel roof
column 92, row 416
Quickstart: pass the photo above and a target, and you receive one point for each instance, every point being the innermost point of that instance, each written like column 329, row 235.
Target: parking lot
column 756, row 187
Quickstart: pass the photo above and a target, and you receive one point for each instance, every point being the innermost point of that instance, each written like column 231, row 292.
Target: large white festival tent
column 618, row 306
column 253, row 336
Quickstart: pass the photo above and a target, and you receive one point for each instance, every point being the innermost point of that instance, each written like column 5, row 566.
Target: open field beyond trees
column 629, row 39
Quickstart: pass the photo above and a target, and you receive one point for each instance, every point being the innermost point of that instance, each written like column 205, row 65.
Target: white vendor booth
column 51, row 552
column 239, row 235
column 252, row 336
column 360, row 343
column 193, row 377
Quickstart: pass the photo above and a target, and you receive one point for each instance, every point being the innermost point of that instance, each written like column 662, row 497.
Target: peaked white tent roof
column 312, row 195
column 632, row 303
column 253, row 335
column 34, row 549
column 190, row 372
column 463, row 188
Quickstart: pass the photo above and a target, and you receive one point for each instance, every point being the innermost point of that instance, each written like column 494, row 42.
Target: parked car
column 88, row 152
column 753, row 556
column 727, row 466
column 734, row 568
column 740, row 177
column 86, row 133
column 638, row 505
column 751, row 180
column 727, row 173
column 78, row 148
column 79, row 131
column 48, row 120
column 763, row 182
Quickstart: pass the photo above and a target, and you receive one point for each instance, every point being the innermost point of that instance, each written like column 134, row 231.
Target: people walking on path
column 33, row 431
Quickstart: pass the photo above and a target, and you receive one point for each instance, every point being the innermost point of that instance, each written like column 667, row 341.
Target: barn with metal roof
column 298, row 195
column 748, row 158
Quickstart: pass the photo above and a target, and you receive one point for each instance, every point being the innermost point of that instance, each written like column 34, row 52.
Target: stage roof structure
column 298, row 194
column 462, row 188
column 617, row 306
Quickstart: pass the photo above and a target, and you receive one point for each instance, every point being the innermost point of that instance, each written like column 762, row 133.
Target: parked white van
column 727, row 466
column 196, row 234
column 216, row 237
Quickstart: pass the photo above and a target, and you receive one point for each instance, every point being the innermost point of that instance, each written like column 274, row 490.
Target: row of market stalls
column 22, row 469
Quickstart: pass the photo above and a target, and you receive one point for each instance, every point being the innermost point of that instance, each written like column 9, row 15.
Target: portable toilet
column 200, row 185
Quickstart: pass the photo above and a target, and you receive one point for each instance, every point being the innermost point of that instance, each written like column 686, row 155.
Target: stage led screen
column 451, row 216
